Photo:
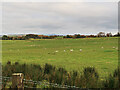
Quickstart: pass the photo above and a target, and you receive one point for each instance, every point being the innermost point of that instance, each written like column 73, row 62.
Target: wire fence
column 35, row 83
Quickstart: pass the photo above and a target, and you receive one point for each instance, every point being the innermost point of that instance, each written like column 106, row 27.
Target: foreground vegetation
column 89, row 78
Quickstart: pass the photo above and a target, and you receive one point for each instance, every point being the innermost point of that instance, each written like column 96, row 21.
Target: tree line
column 35, row 36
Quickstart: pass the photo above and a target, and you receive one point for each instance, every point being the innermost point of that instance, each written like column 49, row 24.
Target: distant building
column 101, row 34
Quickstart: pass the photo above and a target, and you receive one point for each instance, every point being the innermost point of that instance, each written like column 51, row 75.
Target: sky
column 59, row 17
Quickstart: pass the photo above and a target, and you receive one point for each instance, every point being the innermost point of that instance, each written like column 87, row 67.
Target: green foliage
column 113, row 80
column 48, row 69
column 4, row 37
column 90, row 72
column 89, row 78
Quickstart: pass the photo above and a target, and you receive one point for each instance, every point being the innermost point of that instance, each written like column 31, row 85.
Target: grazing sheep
column 113, row 47
column 102, row 47
column 71, row 50
column 64, row 50
column 80, row 50
column 56, row 51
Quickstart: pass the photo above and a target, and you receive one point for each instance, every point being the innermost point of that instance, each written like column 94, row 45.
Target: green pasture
column 102, row 53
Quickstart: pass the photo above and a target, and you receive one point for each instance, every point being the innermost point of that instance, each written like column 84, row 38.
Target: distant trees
column 35, row 36
column 87, row 36
column 28, row 36
column 102, row 34
column 69, row 36
column 117, row 35
column 77, row 36
column 4, row 37
column 31, row 36
column 109, row 35
column 74, row 36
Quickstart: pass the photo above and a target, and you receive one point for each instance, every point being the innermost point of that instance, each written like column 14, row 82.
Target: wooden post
column 17, row 80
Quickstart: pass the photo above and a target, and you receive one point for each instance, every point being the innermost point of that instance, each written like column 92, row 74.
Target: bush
column 113, row 80
column 89, row 78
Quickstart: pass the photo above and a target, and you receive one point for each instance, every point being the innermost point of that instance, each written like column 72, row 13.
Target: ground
column 102, row 53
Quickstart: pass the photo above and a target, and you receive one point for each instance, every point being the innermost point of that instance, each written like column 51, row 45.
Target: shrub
column 48, row 68
column 89, row 78
column 113, row 80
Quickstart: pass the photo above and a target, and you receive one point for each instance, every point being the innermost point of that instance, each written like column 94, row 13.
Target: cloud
column 59, row 18
column 60, row 0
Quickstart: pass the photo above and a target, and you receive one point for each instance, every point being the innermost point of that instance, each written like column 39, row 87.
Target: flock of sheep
column 112, row 47
column 71, row 50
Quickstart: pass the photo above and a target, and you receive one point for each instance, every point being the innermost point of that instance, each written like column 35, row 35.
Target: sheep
column 64, row 50
column 71, row 50
column 113, row 47
column 56, row 51
column 80, row 50
column 102, row 47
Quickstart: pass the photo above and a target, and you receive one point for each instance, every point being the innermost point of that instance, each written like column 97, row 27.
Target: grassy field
column 102, row 53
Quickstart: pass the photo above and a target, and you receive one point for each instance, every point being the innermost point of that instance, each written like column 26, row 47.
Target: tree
column 68, row 36
column 77, row 35
column 4, row 37
column 117, row 35
column 109, row 34
column 28, row 36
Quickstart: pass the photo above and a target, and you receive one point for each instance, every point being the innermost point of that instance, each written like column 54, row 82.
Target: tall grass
column 88, row 79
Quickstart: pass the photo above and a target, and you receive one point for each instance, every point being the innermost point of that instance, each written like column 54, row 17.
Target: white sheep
column 102, row 47
column 64, row 50
column 80, row 50
column 56, row 51
column 71, row 50
column 113, row 47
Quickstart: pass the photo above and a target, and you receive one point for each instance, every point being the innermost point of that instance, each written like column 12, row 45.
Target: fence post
column 17, row 80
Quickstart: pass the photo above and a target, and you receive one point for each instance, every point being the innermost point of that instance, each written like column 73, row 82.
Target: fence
column 20, row 82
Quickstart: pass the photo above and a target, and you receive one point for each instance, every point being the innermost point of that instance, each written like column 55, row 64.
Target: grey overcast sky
column 59, row 18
